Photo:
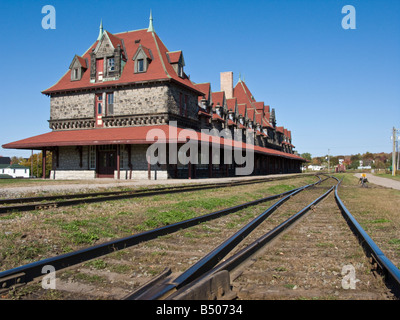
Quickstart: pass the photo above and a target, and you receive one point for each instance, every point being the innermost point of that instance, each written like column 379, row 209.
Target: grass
column 376, row 209
column 30, row 236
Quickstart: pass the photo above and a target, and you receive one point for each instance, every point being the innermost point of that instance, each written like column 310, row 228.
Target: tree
column 306, row 156
column 35, row 162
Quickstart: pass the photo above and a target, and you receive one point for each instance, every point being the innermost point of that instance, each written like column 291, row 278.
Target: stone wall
column 148, row 100
column 141, row 100
column 72, row 106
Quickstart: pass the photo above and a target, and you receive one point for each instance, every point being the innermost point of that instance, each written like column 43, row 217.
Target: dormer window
column 75, row 74
column 111, row 64
column 180, row 70
column 78, row 66
column 140, row 65
column 175, row 58
column 142, row 58
column 107, row 59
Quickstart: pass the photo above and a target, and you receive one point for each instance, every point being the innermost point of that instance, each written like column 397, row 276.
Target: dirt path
column 384, row 182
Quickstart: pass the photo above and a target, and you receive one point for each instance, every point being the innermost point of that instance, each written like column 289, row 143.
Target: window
column 111, row 64
column 140, row 65
column 180, row 70
column 110, row 103
column 99, row 103
column 76, row 74
column 92, row 157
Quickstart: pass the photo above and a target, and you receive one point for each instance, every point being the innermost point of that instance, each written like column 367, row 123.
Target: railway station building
column 128, row 93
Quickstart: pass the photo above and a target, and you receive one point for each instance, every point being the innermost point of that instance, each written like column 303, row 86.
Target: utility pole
column 328, row 161
column 394, row 153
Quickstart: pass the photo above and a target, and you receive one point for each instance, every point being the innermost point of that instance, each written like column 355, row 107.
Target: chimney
column 227, row 84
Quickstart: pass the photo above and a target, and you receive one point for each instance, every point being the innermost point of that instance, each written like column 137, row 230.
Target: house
column 128, row 91
column 14, row 170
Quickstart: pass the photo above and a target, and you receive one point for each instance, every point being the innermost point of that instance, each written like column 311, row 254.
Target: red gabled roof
column 159, row 68
column 250, row 113
column 82, row 62
column 259, row 117
column 242, row 108
column 243, row 94
column 114, row 40
column 231, row 103
column 218, row 98
column 205, row 89
column 174, row 56
column 259, row 106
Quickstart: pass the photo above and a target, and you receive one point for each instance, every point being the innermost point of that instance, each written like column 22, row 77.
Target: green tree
column 306, row 156
column 35, row 162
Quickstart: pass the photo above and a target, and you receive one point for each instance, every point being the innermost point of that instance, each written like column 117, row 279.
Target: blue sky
column 333, row 88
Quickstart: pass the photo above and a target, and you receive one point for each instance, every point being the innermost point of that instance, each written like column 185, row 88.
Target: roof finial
column 240, row 80
column 150, row 28
column 101, row 30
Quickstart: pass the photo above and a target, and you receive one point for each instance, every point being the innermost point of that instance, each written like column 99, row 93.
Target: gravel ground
column 85, row 185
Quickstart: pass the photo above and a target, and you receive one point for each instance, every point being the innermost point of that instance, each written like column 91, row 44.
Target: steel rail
column 370, row 247
column 154, row 292
column 244, row 254
column 118, row 195
column 28, row 272
column 105, row 193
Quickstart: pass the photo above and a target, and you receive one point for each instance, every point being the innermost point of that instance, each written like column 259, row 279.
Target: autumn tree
column 35, row 162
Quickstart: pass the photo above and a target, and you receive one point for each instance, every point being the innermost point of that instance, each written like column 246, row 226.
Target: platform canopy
column 135, row 135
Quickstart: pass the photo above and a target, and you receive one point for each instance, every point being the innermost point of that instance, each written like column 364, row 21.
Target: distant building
column 315, row 167
column 14, row 170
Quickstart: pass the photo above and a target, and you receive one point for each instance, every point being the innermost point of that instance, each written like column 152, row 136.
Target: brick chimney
column 227, row 84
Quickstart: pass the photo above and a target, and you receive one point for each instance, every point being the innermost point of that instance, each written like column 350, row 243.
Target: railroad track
column 46, row 202
column 214, row 275
column 27, row 273
column 210, row 278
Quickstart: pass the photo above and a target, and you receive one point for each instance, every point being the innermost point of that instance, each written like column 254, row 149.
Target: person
column 363, row 180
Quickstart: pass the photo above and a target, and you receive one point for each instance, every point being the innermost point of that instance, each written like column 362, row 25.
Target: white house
column 14, row 170
column 315, row 167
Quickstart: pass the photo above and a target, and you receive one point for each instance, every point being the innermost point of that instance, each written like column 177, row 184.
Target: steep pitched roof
column 243, row 94
column 175, row 57
column 159, row 69
column 81, row 61
column 205, row 88
column 242, row 107
column 218, row 98
column 231, row 103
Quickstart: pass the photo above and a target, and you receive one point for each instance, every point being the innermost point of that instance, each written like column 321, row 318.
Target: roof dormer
column 175, row 58
column 78, row 66
column 106, row 59
column 142, row 58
